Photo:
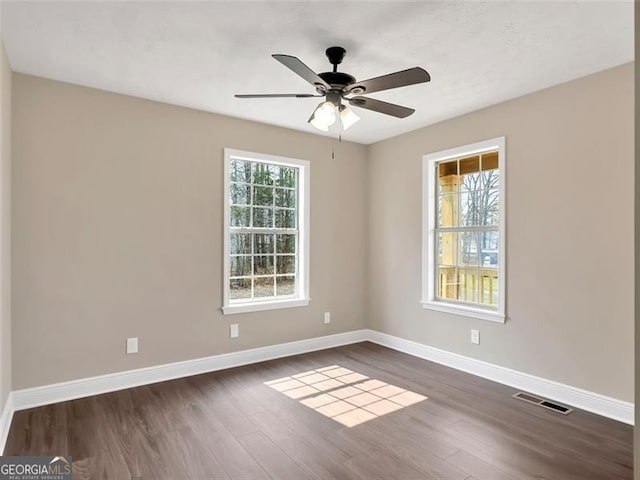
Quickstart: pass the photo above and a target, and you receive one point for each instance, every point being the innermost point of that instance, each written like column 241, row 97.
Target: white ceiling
column 199, row 54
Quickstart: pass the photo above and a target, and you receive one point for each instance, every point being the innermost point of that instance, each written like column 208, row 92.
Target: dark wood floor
column 231, row 425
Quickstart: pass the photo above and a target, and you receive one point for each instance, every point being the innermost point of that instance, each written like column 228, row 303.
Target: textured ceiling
column 199, row 54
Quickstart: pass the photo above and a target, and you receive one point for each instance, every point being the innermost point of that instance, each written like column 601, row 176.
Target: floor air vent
column 541, row 402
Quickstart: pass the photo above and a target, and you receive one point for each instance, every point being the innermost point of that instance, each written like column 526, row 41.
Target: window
column 463, row 230
column 266, row 244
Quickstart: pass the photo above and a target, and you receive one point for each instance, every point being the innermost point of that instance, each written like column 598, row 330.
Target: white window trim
column 302, row 298
column 429, row 300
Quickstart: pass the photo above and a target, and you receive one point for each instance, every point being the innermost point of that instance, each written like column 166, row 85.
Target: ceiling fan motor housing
column 338, row 80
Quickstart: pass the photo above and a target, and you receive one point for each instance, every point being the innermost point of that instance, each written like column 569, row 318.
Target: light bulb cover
column 318, row 124
column 347, row 117
column 323, row 116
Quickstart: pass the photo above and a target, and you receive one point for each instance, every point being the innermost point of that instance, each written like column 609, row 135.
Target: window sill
column 478, row 313
column 269, row 305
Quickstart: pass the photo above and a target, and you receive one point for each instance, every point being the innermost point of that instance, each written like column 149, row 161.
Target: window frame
column 301, row 297
column 429, row 298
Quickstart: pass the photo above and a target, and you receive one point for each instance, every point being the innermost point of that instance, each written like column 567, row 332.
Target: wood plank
column 480, row 469
column 271, row 458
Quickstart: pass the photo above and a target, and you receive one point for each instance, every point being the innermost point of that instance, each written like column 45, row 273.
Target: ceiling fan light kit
column 324, row 116
column 338, row 86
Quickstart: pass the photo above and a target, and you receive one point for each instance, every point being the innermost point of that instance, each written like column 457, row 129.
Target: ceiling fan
column 337, row 86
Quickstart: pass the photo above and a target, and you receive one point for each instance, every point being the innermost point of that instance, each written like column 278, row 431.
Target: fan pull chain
column 333, row 146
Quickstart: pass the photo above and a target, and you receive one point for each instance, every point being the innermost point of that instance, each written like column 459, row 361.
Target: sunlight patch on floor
column 343, row 395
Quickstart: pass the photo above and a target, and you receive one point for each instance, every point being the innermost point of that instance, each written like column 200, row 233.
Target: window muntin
column 463, row 267
column 265, row 237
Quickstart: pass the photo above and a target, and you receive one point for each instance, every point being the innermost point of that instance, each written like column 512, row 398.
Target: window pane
column 263, row 287
column 490, row 172
column 459, row 284
column 240, row 171
column 240, row 194
column 263, row 243
column 239, row 288
column 470, row 203
column 489, row 287
column 287, row 177
column 263, row 174
column 448, row 211
column 263, row 217
column 285, row 218
column 263, row 196
column 286, row 285
column 263, row 264
column 489, row 246
column 470, row 174
column 491, row 179
column 286, row 243
column 468, row 250
column 446, row 287
column 239, row 266
column 285, row 264
column 490, row 207
column 448, row 177
column 467, row 285
column 447, row 248
column 240, row 243
column 469, row 165
column 285, row 198
column 240, row 216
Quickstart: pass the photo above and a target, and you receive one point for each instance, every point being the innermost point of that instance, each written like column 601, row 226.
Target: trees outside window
column 266, row 215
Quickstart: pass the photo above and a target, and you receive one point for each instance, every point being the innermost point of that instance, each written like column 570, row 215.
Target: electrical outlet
column 234, row 330
column 475, row 337
column 132, row 345
column 327, row 317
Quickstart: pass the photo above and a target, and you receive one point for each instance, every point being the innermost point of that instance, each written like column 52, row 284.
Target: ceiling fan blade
column 381, row 107
column 392, row 80
column 277, row 95
column 296, row 65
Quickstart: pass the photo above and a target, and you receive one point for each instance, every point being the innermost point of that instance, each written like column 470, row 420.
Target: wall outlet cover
column 475, row 337
column 132, row 345
column 234, row 330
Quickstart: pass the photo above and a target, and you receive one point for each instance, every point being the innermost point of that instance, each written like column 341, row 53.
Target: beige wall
column 117, row 232
column 570, row 278
column 5, row 227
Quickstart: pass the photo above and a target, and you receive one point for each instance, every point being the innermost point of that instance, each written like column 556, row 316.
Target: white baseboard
column 575, row 397
column 6, row 415
column 60, row 392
